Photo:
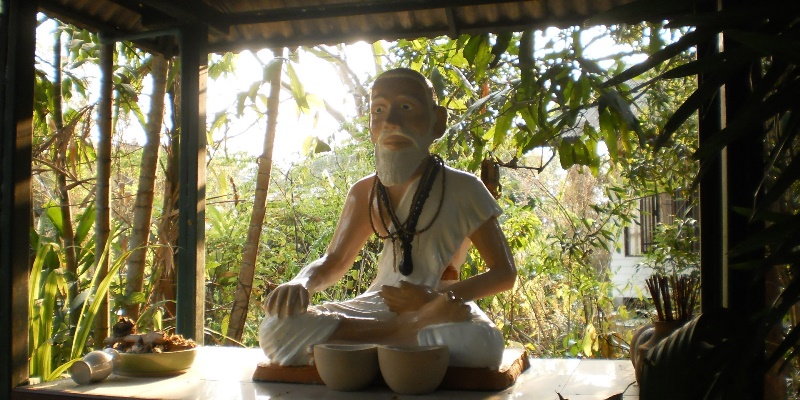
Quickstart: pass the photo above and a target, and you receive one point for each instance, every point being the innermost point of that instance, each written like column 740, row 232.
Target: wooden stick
column 652, row 286
column 667, row 301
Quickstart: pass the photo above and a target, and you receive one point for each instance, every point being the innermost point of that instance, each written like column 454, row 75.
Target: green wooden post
column 192, row 181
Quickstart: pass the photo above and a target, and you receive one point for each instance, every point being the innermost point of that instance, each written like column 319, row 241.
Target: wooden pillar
column 192, row 181
column 18, row 36
column 744, row 168
column 712, row 189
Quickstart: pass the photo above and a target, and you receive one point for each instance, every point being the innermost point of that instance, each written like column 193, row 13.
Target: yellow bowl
column 155, row 364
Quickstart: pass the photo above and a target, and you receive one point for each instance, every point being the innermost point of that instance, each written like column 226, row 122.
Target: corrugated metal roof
column 235, row 25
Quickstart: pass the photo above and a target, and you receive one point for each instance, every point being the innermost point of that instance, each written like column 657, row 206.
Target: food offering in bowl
column 346, row 367
column 413, row 369
column 150, row 354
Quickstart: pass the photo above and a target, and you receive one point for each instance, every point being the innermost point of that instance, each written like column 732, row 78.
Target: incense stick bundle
column 674, row 297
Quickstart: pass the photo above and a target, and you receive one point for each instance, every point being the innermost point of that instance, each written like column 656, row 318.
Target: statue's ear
column 441, row 121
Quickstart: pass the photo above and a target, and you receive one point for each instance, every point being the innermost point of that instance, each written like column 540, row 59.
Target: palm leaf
column 706, row 91
column 686, row 42
column 61, row 370
column 787, row 175
column 788, row 226
column 641, row 10
column 734, row 17
column 751, row 119
column 776, row 46
column 789, row 342
column 85, row 223
column 787, row 299
column 711, row 63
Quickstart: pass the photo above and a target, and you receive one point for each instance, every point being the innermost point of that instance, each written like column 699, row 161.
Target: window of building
column 652, row 210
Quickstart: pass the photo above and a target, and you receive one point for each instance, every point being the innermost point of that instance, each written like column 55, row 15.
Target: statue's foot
column 442, row 309
column 407, row 297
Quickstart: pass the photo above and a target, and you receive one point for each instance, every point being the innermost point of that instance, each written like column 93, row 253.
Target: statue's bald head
column 413, row 75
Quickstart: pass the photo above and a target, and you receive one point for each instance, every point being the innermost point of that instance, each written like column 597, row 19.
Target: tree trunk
column 102, row 222
column 164, row 263
column 244, row 284
column 143, row 208
column 63, row 138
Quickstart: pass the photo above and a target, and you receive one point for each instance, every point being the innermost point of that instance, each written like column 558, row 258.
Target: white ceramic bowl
column 413, row 369
column 155, row 364
column 346, row 367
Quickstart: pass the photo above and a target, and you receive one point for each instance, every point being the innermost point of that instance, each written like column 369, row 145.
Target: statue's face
column 402, row 119
column 401, row 112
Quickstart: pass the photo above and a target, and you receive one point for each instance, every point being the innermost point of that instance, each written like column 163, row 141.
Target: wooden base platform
column 515, row 361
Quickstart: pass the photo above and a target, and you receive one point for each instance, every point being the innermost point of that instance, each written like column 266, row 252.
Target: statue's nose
column 394, row 117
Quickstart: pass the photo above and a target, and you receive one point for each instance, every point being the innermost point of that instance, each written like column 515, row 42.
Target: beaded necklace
column 405, row 231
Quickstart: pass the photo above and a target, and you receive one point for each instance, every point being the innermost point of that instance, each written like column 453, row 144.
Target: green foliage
column 49, row 331
column 302, row 211
column 510, row 96
column 675, row 249
column 759, row 42
column 505, row 102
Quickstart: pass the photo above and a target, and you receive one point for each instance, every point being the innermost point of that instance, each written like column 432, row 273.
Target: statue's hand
column 287, row 299
column 408, row 297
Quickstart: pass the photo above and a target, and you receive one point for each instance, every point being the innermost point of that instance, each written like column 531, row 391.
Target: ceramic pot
column 660, row 331
column 685, row 364
column 346, row 367
column 94, row 366
column 640, row 336
column 413, row 369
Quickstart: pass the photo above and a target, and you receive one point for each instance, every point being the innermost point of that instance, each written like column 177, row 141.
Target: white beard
column 398, row 166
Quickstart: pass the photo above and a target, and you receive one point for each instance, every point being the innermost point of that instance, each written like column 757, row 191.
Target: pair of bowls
column 405, row 369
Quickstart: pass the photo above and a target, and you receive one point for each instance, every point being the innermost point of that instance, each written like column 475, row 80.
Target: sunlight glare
column 319, row 79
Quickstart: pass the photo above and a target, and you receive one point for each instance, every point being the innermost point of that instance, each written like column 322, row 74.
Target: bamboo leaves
column 96, row 292
column 46, row 286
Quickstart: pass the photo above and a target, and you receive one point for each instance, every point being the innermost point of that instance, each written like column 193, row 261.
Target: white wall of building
column 628, row 276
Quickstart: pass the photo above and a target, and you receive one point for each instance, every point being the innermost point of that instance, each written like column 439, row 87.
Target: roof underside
column 235, row 25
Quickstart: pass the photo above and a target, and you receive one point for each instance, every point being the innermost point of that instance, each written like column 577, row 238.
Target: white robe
column 474, row 343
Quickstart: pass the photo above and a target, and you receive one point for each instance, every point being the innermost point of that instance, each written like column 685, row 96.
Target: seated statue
column 428, row 215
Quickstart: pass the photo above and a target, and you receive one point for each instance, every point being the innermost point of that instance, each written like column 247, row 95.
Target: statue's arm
column 352, row 231
column 493, row 247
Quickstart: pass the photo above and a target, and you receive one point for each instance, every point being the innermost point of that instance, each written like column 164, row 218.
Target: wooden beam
column 394, row 34
column 18, row 31
column 54, row 9
column 348, row 10
column 191, row 13
column 150, row 18
column 192, row 181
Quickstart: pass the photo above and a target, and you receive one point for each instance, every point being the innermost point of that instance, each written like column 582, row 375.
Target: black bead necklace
column 405, row 231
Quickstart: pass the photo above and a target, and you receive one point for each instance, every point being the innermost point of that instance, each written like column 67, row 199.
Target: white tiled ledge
column 226, row 372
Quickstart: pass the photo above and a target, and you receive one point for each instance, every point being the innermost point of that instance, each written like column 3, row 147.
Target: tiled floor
column 225, row 373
